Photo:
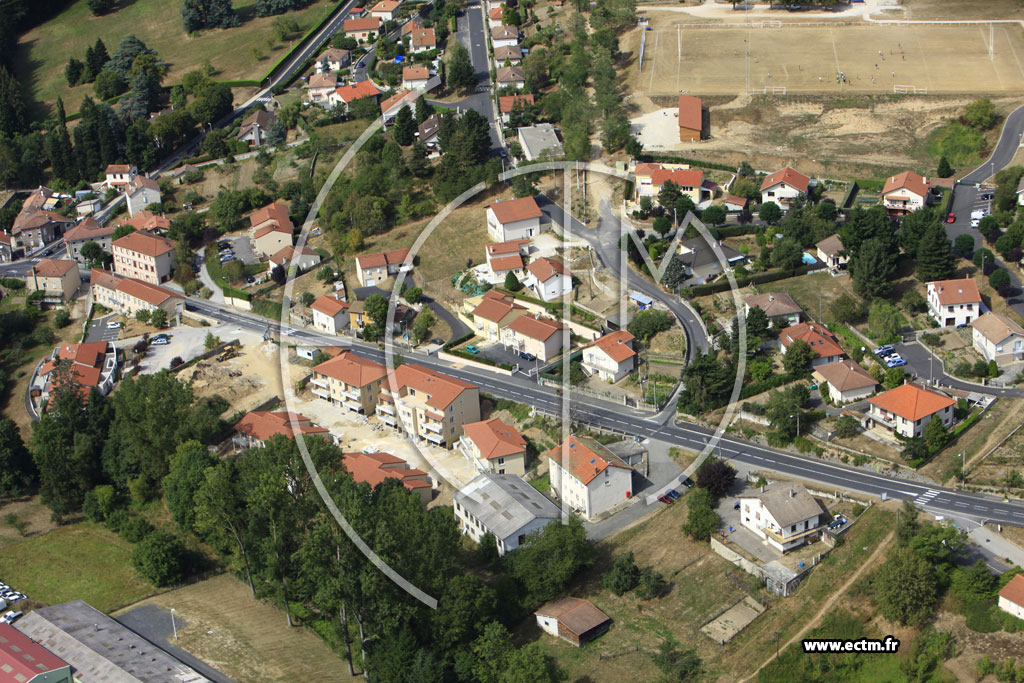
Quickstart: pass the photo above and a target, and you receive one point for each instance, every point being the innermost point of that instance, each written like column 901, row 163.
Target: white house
column 1011, row 597
column 954, row 302
column 390, row 107
column 776, row 306
column 504, row 505
column 514, row 219
column 534, row 334
column 832, row 254
column 825, row 346
column 610, row 357
column 511, row 77
column 549, row 278
column 422, row 40
column 493, row 446
column 415, row 77
column 384, row 10
column 332, row 59
column 142, row 192
column 1020, row 192
column 118, row 176
column 998, row 338
column 573, row 619
column 908, row 408
column 589, row 483
column 507, row 257
column 504, row 36
column 783, row 186
column 303, row 259
column 783, row 514
column 372, row 269
column 540, row 141
column 329, row 314
column 846, row 381
column 321, row 86
column 904, row 192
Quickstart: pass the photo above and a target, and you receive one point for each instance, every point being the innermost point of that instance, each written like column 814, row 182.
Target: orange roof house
column 617, row 345
column 351, row 369
column 259, row 426
column 821, row 340
column 691, row 118
column 912, row 402
column 582, row 462
column 495, row 439
column 789, row 176
column 513, row 210
column 362, row 27
column 1011, row 597
column 375, row 468
column 907, row 180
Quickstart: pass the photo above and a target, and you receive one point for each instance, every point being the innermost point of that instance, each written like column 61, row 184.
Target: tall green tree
column 404, row 129
column 95, row 59
column 873, row 268
column 935, row 260
column 18, row 473
column 222, row 517
column 200, row 14
column 12, row 104
column 461, row 75
column 186, row 474
column 906, row 589
column 549, row 559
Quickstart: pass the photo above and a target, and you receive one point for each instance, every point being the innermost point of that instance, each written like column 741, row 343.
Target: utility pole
column 173, row 625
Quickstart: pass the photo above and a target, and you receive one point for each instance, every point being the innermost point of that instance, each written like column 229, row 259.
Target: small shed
column 573, row 619
column 642, row 301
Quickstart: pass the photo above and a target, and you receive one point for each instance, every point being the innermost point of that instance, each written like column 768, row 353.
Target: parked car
column 884, row 350
column 472, row 349
column 736, row 505
column 951, row 218
column 10, row 616
column 250, row 279
column 975, row 222
column 672, row 493
column 666, row 499
column 437, row 340
column 986, row 195
column 895, row 361
column 163, row 341
column 527, row 356
column 688, row 483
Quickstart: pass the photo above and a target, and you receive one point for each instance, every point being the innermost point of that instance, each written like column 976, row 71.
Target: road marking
column 978, row 507
column 960, row 505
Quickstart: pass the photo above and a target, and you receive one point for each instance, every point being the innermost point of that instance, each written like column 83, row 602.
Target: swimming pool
column 808, row 259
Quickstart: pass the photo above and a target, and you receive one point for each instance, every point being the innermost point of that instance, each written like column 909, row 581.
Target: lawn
column 44, row 51
column 245, row 638
column 814, row 292
column 81, row 561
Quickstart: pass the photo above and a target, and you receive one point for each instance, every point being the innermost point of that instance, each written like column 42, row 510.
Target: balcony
column 322, row 393
column 432, row 426
column 386, row 408
column 435, row 438
column 387, row 419
column 352, row 394
column 882, row 419
column 354, row 406
column 798, row 536
column 320, row 381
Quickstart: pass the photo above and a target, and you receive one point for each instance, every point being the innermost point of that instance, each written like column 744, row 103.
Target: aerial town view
column 511, row 341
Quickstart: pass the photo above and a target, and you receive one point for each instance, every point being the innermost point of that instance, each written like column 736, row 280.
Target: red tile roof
column 503, row 248
column 504, row 33
column 545, row 268
column 22, row 659
column 145, row 291
column 53, row 268
column 86, row 362
column 953, row 292
column 441, row 388
column 271, row 227
column 147, row 220
column 912, row 402
column 845, row 375
column 535, row 327
column 495, row 439
column 385, row 6
column 276, row 212
column 144, row 243
column 690, row 115
column 362, row 24
column 354, row 91
column 351, row 369
column 373, row 468
column 89, row 229
column 736, row 200
column 423, row 37
column 617, row 345
column 681, row 177
column 789, row 176
column 263, row 424
column 118, row 168
column 506, row 103
column 494, row 309
column 497, row 13
column 820, row 339
column 502, row 263
column 906, row 180
column 382, row 258
column 575, row 615
column 580, row 460
column 1014, row 590
column 329, row 305
column 514, row 210
column 415, row 73
column 399, row 99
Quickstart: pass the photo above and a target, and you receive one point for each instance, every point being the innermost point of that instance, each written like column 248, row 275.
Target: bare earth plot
column 803, row 58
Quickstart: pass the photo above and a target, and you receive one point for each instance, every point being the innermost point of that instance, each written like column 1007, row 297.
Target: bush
column 623, row 575
column 100, row 502
column 160, row 558
column 116, row 520
column 61, row 318
column 136, row 529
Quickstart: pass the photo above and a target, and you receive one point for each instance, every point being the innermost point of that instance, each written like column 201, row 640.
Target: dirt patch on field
column 28, row 511
column 972, row 645
column 258, row 377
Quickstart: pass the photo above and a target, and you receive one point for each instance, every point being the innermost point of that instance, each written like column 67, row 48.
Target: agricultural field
column 242, row 53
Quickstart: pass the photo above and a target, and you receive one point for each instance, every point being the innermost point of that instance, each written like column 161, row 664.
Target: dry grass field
column 801, row 58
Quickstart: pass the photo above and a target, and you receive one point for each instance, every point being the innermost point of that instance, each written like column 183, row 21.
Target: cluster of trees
column 625, row 576
column 714, row 478
column 266, row 8
column 201, row 14
column 78, row 72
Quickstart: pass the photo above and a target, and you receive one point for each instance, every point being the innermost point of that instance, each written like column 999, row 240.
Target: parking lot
column 242, row 247
column 9, row 596
column 186, row 342
column 499, row 354
column 98, row 330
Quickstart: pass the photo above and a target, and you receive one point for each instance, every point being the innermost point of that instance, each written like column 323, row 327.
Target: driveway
column 186, row 342
column 926, row 366
column 98, row 330
column 458, row 328
column 154, row 624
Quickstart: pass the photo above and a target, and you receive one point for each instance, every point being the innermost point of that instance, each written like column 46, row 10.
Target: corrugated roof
column 505, row 503
column 690, row 115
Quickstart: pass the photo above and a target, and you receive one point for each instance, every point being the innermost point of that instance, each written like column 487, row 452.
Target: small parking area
column 98, row 329
column 186, row 342
column 242, row 247
column 499, row 354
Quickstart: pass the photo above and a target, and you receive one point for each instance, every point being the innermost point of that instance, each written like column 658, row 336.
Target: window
column 501, row 461
column 793, row 528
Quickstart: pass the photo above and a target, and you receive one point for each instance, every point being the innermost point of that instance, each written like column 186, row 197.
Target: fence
column 769, row 90
column 604, row 396
column 909, row 90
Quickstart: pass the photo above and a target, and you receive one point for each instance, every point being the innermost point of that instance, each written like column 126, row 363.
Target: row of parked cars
column 9, row 596
column 888, row 355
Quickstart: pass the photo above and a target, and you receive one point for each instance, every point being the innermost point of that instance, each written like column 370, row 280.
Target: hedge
column 461, row 340
column 674, row 159
column 12, row 283
column 756, row 278
column 738, row 230
column 241, row 84
column 267, row 308
column 851, row 192
column 554, row 307
column 870, row 184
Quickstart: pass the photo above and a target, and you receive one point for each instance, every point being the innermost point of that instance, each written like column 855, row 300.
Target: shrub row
column 675, row 159
column 757, row 279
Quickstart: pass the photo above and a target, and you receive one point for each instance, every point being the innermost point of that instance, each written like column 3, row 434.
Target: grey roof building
column 98, row 648
column 701, row 261
column 504, row 505
column 540, row 140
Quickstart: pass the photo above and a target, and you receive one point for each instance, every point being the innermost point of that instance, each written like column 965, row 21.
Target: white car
column 113, row 325
column 9, row 616
column 975, row 222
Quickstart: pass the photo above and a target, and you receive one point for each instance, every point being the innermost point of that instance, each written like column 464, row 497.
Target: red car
column 951, row 218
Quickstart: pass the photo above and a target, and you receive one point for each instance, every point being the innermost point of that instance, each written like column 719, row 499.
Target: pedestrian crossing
column 926, row 497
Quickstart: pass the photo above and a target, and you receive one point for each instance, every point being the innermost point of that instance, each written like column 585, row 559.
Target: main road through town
column 934, row 499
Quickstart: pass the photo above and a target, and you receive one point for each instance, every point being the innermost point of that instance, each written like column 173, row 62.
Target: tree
column 512, row 283
column 73, row 72
column 18, row 473
column 702, row 521
column 100, row 7
column 211, row 103
column 646, row 324
column 200, row 14
column 12, row 106
column 377, row 309
column 999, row 280
column 277, row 132
column 784, row 409
column 93, row 253
column 676, row 662
column 884, row 320
column 623, row 576
column 906, row 589
column 798, row 358
column 186, row 475
column 461, row 74
column 404, row 128
column 221, row 515
column 109, row 84
column 421, row 327
column 846, row 309
column 669, row 194
column 158, row 318
column 708, row 382
column 161, row 558
column 787, row 255
column 423, row 110
column 716, row 476
column 413, row 295
column 980, row 114
column 714, row 214
column 770, row 213
column 846, row 426
column 873, row 268
column 96, row 58
column 549, row 559
column 964, row 244
column 944, row 170
column 935, row 260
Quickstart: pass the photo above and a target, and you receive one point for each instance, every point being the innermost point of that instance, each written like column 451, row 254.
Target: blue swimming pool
column 808, row 259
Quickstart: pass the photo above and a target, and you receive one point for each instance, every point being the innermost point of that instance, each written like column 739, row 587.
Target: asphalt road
column 605, row 241
column 923, row 364
column 154, row 624
column 934, row 499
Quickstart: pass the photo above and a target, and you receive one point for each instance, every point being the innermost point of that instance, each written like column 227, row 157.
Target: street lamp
column 173, row 625
column 797, row 416
column 227, row 288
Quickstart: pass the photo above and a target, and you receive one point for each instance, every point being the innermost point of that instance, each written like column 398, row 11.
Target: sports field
column 802, row 58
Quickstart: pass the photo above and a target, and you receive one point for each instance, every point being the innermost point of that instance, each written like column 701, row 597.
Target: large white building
column 954, row 302
column 610, row 357
column 514, row 219
column 589, row 483
column 909, row 408
column 783, row 514
column 504, row 505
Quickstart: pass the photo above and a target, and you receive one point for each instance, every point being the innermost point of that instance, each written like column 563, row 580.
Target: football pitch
column 791, row 57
